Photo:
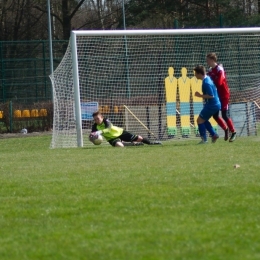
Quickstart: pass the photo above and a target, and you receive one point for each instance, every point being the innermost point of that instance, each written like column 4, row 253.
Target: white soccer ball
column 97, row 140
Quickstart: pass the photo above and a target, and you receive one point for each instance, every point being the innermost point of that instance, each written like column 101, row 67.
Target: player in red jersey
column 218, row 75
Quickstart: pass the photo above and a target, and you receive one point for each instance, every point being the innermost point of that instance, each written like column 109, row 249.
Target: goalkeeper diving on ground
column 116, row 136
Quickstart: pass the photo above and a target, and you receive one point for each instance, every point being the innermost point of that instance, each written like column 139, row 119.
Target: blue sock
column 209, row 128
column 202, row 130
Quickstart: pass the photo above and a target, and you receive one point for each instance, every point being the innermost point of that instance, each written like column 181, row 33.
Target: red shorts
column 224, row 104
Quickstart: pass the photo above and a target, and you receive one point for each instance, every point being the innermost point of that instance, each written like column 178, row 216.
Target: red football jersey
column 218, row 75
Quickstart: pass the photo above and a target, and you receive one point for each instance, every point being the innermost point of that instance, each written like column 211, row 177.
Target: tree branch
column 77, row 7
column 45, row 11
column 197, row 4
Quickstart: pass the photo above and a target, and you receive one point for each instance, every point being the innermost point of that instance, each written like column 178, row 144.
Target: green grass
column 176, row 201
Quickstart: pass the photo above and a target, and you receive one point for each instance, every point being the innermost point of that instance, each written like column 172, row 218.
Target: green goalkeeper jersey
column 109, row 131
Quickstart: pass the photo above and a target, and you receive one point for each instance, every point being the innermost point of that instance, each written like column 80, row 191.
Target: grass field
column 176, row 201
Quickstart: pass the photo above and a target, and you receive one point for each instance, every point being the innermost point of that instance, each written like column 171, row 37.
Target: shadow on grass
column 164, row 144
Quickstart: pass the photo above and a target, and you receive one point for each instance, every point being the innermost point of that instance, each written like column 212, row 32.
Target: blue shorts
column 206, row 113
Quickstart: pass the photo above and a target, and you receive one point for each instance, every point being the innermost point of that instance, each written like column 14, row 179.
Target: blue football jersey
column 209, row 88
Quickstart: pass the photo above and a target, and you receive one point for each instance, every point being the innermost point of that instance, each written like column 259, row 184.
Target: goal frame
column 73, row 41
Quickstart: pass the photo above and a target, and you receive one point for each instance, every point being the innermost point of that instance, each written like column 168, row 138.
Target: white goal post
column 151, row 73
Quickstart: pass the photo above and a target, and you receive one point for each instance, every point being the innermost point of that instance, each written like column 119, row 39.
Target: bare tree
column 19, row 21
column 27, row 19
column 105, row 14
column 63, row 11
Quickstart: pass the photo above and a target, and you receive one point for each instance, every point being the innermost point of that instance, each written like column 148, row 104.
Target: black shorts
column 125, row 136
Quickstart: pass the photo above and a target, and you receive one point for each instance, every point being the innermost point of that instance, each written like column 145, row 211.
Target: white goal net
column 144, row 82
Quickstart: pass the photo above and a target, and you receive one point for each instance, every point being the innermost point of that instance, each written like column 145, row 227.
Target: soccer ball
column 96, row 139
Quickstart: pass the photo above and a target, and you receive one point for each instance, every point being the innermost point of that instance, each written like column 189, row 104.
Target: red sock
column 221, row 123
column 230, row 125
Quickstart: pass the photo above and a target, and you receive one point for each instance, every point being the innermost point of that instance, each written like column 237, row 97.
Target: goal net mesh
column 147, row 82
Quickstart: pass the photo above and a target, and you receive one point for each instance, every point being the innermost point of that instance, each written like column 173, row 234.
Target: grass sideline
column 176, row 201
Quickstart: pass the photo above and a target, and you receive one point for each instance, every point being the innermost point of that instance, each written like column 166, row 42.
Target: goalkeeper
column 115, row 135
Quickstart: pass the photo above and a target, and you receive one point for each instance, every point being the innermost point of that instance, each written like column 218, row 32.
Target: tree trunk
column 66, row 23
column 28, row 19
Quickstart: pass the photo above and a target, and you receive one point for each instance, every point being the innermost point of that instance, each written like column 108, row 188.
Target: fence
column 24, row 70
column 25, row 83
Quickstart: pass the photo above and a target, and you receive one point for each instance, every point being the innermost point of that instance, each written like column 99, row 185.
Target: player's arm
column 94, row 128
column 219, row 80
column 204, row 96
column 108, row 126
column 94, row 131
column 208, row 92
column 107, row 129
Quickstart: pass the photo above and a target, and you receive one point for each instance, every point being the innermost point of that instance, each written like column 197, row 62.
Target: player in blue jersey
column 211, row 104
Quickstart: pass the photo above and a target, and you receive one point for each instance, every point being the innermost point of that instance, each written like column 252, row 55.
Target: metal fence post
column 11, row 116
column 176, row 24
column 221, row 21
column 3, row 70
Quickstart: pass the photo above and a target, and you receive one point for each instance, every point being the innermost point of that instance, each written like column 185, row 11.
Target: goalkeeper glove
column 96, row 133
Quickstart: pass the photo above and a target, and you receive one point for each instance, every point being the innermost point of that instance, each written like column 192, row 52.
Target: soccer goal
column 143, row 81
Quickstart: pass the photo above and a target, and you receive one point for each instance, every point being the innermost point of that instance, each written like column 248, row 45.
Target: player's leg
column 204, row 124
column 147, row 141
column 220, row 121
column 135, row 139
column 228, row 121
column 202, row 129
column 129, row 139
column 116, row 142
column 230, row 126
column 119, row 144
column 141, row 139
column 211, row 131
column 222, row 124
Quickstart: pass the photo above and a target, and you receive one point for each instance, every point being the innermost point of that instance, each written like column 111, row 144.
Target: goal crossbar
column 166, row 32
